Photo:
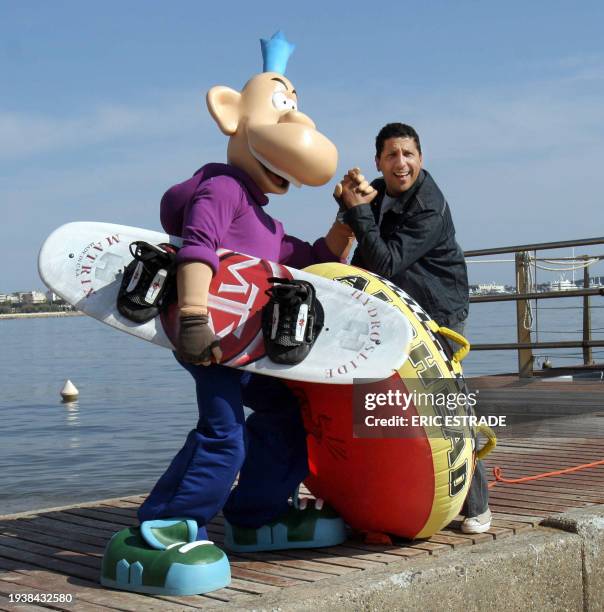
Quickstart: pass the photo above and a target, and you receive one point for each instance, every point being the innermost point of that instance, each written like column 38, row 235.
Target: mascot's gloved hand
column 197, row 343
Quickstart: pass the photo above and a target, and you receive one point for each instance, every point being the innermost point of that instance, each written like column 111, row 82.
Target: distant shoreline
column 35, row 315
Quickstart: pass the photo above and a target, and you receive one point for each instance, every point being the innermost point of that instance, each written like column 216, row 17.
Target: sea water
column 136, row 404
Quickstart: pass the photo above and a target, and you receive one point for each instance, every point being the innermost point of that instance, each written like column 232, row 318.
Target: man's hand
column 197, row 343
column 354, row 190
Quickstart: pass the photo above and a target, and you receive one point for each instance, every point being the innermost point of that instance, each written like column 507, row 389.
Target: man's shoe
column 306, row 526
column 180, row 568
column 477, row 524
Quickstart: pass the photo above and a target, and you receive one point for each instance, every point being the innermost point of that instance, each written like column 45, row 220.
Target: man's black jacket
column 414, row 247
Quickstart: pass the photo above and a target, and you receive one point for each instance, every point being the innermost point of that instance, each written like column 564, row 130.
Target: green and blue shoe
column 302, row 526
column 163, row 558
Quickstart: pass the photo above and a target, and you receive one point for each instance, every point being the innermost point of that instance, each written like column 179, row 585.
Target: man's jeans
column 477, row 500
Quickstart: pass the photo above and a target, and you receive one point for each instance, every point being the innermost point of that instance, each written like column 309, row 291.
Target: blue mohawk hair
column 276, row 52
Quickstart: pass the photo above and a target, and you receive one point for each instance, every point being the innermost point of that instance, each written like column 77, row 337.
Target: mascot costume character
column 271, row 144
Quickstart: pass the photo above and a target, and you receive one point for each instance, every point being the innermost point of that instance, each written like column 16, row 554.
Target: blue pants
column 269, row 451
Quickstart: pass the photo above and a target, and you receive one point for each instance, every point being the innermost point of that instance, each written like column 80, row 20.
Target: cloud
column 546, row 106
column 25, row 135
column 512, row 159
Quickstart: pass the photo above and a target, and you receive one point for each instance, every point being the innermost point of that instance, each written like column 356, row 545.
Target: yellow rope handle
column 462, row 353
column 491, row 442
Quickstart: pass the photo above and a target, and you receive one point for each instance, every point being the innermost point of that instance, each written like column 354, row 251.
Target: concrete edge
column 557, row 566
column 588, row 524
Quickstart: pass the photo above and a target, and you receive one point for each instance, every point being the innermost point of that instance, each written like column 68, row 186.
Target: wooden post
column 525, row 356
column 587, row 356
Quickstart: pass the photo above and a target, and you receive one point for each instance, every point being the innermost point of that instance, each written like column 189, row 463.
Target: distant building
column 32, row 297
column 9, row 298
column 562, row 284
column 490, row 288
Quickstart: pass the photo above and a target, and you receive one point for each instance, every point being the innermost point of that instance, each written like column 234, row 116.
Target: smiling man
column 404, row 228
column 405, row 233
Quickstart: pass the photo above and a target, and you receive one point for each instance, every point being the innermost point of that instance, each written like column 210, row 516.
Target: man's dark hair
column 395, row 130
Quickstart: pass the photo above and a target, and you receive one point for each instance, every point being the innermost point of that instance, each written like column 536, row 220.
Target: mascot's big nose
column 295, row 116
column 296, row 148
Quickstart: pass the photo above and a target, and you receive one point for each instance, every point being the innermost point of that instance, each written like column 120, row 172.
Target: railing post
column 587, row 356
column 525, row 355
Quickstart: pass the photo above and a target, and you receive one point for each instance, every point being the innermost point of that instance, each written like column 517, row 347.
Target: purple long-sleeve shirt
column 222, row 207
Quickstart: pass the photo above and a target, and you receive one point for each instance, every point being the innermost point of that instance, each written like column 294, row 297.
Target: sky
column 102, row 108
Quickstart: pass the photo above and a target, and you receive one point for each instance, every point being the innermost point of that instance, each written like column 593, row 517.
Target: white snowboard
column 362, row 337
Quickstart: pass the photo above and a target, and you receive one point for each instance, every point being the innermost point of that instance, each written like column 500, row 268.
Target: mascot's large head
column 269, row 137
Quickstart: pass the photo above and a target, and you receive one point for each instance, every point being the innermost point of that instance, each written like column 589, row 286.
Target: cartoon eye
column 282, row 102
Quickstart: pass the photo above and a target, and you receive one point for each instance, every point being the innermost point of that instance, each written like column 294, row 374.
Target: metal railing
column 525, row 292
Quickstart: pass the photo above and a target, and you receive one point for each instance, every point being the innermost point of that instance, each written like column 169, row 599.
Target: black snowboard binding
column 291, row 320
column 149, row 281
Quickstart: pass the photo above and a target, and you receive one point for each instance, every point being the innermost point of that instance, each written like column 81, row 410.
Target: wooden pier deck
column 59, row 551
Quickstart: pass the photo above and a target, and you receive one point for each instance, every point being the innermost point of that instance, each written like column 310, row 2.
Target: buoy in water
column 69, row 392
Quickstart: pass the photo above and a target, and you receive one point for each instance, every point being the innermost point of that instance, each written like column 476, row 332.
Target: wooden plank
column 119, row 511
column 8, row 606
column 331, row 559
column 517, row 517
column 55, row 540
column 87, row 592
column 58, row 542
column 256, row 588
column 361, row 553
column 72, row 519
column 526, row 500
column 432, row 548
column 537, row 467
column 542, row 489
column 84, row 561
column 475, row 538
column 567, row 480
column 6, row 588
column 56, row 528
column 552, row 464
column 514, row 526
column 54, row 552
column 103, row 517
column 283, row 560
column 547, row 445
column 258, row 577
column 27, row 513
column 451, row 538
column 551, row 444
column 303, row 575
column 49, row 563
column 530, row 501
column 512, row 508
column 400, row 551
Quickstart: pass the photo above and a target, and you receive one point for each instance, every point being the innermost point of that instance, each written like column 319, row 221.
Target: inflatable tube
column 407, row 486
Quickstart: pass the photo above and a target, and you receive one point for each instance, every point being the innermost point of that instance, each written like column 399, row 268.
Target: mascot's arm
column 339, row 239
column 197, row 343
